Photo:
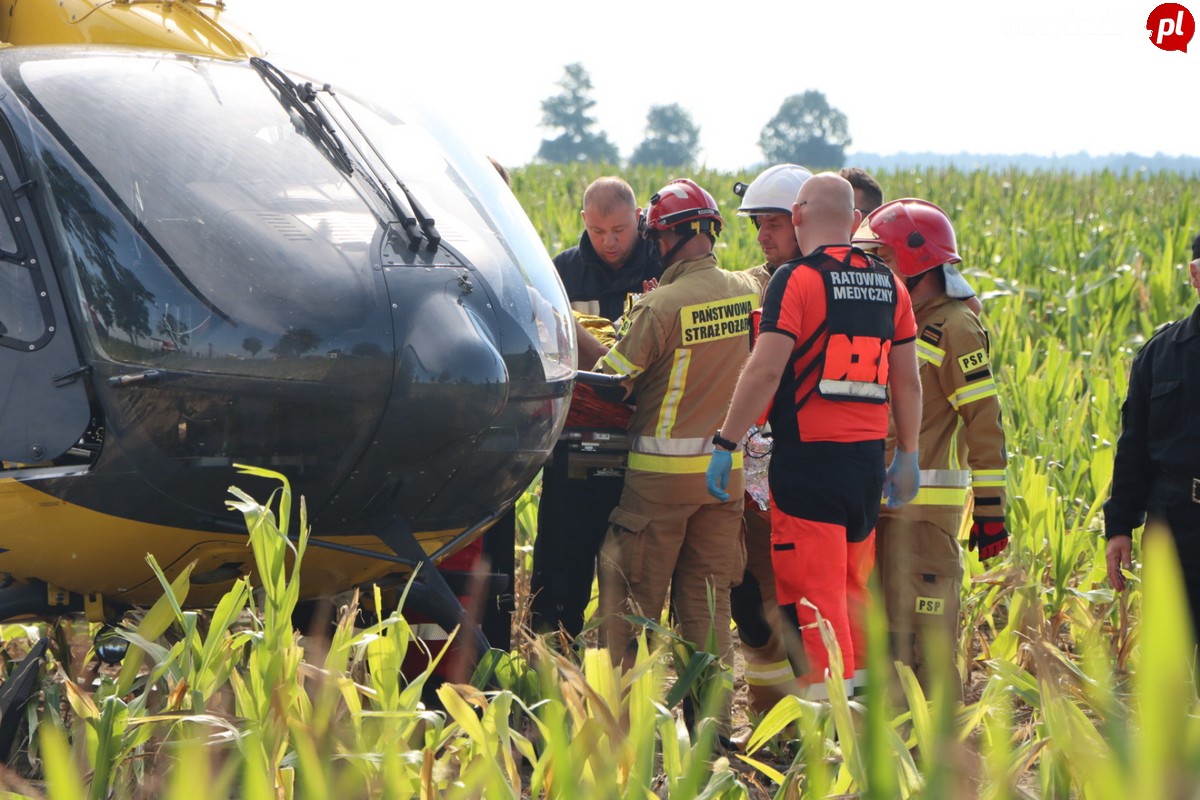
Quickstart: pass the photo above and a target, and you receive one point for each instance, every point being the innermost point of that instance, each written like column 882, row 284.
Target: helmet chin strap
column 683, row 239
column 911, row 283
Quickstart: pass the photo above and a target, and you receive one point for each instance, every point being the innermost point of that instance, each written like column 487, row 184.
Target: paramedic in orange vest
column 837, row 340
column 961, row 443
column 769, row 676
column 681, row 346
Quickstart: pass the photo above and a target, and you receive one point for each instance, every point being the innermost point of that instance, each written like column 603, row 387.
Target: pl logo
column 1171, row 27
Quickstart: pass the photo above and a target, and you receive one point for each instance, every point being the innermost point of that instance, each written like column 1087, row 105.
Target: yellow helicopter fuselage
column 183, row 26
column 208, row 263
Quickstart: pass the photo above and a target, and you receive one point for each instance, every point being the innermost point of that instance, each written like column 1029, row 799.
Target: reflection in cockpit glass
column 20, row 313
column 8, row 241
column 211, row 229
column 216, row 224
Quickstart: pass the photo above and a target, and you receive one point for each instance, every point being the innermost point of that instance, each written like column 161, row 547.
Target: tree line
column 805, row 130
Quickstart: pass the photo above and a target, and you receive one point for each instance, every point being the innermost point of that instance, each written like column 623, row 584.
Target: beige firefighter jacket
column 683, row 345
column 962, row 441
column 762, row 276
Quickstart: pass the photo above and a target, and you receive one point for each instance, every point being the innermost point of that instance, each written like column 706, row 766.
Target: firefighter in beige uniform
column 961, row 444
column 682, row 346
column 767, row 200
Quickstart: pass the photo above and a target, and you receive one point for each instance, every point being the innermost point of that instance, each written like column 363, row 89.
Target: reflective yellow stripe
column 670, row 404
column 977, row 394
column 769, row 674
column 939, row 496
column 686, row 465
column 945, row 477
column 972, row 392
column 620, row 365
column 927, row 352
column 987, row 477
column 663, row 446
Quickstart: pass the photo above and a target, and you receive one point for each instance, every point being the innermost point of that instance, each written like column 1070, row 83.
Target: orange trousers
column 818, row 571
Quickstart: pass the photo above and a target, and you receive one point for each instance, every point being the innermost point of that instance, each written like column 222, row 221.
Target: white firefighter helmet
column 773, row 191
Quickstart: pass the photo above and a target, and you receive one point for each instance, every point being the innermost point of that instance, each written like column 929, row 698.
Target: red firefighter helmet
column 919, row 232
column 681, row 202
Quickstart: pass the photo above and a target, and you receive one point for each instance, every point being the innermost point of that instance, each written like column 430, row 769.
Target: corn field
column 1072, row 691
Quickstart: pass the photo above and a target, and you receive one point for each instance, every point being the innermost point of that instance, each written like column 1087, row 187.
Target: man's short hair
column 1196, row 247
column 861, row 180
column 607, row 195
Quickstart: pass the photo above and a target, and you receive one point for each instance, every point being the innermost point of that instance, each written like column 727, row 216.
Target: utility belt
column 1172, row 486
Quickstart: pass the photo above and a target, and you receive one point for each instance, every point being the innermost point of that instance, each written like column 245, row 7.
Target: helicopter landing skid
column 430, row 594
column 15, row 693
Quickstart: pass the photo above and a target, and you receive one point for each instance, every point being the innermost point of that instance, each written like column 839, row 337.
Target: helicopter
column 208, row 261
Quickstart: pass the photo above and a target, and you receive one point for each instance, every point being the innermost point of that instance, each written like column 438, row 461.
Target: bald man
column 837, row 342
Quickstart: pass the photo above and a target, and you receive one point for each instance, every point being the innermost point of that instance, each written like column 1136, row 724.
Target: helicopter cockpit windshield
column 211, row 263
column 211, row 223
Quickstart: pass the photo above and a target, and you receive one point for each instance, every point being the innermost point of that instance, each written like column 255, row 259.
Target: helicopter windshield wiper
column 301, row 100
column 427, row 223
column 407, row 220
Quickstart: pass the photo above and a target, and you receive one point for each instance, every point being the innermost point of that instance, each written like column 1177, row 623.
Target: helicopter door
column 43, row 401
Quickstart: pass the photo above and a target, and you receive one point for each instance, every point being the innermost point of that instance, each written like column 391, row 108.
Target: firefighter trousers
column 921, row 574
column 692, row 549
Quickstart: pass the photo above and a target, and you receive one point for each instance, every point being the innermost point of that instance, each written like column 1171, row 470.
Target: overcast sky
column 1035, row 76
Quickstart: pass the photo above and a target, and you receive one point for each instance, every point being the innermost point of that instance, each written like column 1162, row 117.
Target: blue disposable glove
column 716, row 477
column 902, row 480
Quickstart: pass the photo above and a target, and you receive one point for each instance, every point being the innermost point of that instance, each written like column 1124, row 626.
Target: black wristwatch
column 723, row 443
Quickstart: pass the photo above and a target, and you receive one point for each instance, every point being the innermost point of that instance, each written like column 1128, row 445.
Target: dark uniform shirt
column 579, row 492
column 594, row 287
column 1157, row 465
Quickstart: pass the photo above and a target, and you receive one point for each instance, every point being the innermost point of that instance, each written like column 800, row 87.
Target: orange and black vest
column 845, row 358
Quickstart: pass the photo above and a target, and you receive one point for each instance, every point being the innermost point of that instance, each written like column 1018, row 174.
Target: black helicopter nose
column 451, row 381
column 471, row 415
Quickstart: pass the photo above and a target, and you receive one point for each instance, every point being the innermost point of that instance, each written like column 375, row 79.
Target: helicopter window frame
column 10, row 248
column 15, row 252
